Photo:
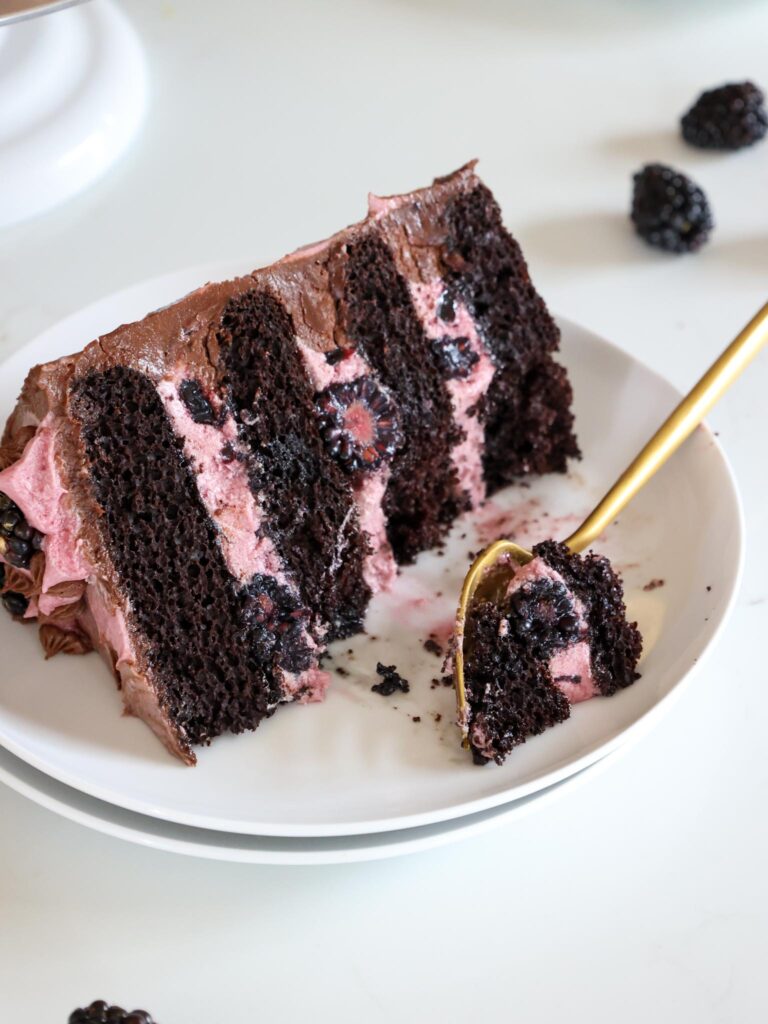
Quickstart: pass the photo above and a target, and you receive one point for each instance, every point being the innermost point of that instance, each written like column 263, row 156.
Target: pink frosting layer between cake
column 223, row 488
column 465, row 392
column 380, row 569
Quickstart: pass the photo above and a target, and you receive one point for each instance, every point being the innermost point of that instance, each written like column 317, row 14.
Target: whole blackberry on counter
column 100, row 1012
column 729, row 117
column 669, row 210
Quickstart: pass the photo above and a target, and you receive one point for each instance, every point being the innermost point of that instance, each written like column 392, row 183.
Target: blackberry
column 729, row 117
column 391, row 680
column 542, row 615
column 276, row 623
column 15, row 603
column 669, row 210
column 446, row 307
column 358, row 423
column 198, row 406
column 18, row 540
column 337, row 355
column 100, row 1012
column 456, row 355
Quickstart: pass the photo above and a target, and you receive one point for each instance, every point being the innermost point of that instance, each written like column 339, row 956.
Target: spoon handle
column 675, row 429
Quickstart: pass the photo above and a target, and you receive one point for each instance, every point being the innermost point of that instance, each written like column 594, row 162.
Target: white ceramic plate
column 360, row 763
column 247, row 849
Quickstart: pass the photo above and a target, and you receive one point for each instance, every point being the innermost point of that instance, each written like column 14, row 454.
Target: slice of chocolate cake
column 559, row 636
column 212, row 495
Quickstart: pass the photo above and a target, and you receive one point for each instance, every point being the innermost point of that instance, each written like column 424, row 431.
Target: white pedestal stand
column 74, row 88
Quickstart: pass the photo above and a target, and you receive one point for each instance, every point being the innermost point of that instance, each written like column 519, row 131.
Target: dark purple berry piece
column 730, row 117
column 2, row 575
column 446, row 307
column 100, row 1013
column 669, row 210
column 18, row 540
column 15, row 603
column 198, row 406
column 276, row 622
column 16, row 552
column 9, row 520
column 337, row 355
column 542, row 615
column 456, row 355
column 358, row 423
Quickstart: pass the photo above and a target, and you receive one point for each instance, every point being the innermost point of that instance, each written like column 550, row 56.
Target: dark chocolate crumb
column 709, row 588
column 342, row 671
column 416, row 718
column 372, row 637
column 653, row 584
column 391, row 681
column 431, row 645
column 438, row 717
column 434, row 683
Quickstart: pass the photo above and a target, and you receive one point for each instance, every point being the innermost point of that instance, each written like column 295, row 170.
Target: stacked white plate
column 361, row 775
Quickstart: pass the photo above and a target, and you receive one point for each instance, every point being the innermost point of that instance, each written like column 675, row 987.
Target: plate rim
column 58, row 799
column 599, row 750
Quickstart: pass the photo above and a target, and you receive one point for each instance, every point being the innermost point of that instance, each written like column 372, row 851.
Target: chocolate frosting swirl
column 55, row 640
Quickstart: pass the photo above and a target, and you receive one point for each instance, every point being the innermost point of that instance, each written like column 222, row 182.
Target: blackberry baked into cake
column 211, row 495
column 558, row 636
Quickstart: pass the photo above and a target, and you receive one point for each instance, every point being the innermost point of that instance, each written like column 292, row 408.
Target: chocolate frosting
column 55, row 640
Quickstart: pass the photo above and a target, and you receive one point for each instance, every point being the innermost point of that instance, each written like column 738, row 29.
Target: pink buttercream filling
column 465, row 392
column 223, row 488
column 570, row 667
column 379, row 569
column 35, row 484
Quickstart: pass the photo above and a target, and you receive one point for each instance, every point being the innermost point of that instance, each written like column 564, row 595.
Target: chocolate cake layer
column 421, row 499
column 528, row 422
column 213, row 662
column 307, row 498
column 509, row 689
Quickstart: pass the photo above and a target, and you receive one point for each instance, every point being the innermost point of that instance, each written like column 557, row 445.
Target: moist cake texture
column 558, row 636
column 212, row 495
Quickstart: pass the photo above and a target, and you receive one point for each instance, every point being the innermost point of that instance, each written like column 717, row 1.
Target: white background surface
column 640, row 896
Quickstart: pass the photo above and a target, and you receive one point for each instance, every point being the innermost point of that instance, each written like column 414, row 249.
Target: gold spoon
column 490, row 571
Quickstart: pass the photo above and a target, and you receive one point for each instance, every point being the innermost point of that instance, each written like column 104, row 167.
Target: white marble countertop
column 641, row 895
